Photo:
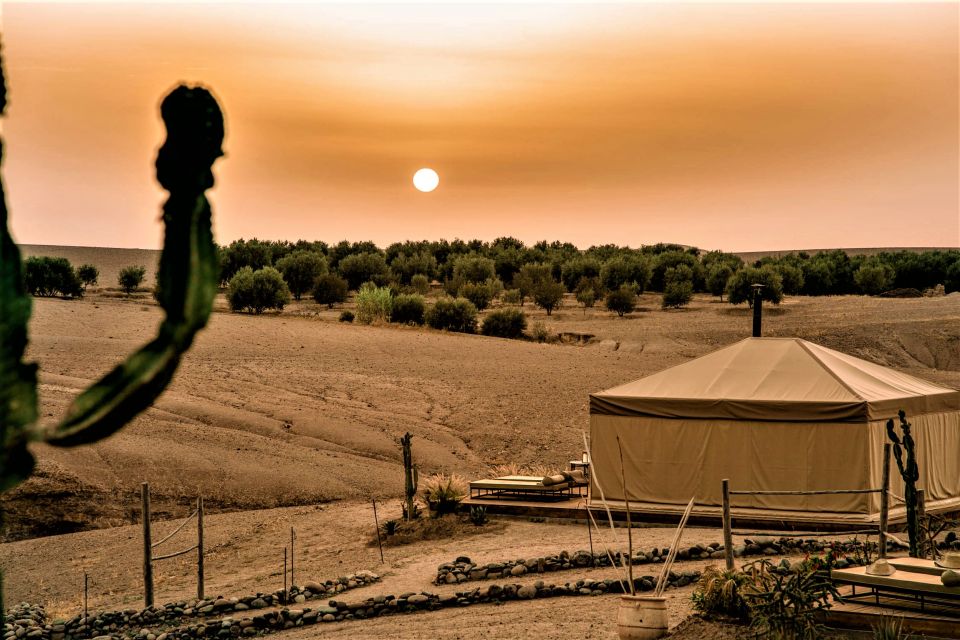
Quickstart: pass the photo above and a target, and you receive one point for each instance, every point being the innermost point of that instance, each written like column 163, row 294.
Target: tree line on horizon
column 260, row 274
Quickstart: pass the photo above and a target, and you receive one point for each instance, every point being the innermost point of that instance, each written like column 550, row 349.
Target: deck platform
column 934, row 621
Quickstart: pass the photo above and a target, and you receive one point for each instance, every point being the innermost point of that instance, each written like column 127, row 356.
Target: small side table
column 580, row 464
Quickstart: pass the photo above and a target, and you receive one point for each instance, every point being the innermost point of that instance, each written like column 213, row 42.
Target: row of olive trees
column 49, row 276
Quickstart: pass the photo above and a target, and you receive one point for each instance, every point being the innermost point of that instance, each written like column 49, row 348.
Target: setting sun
column 426, row 180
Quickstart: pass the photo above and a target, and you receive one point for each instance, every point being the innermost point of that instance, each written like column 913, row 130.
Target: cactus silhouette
column 911, row 473
column 186, row 286
column 411, row 478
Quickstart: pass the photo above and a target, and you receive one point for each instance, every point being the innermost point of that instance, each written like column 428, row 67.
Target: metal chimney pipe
column 757, row 310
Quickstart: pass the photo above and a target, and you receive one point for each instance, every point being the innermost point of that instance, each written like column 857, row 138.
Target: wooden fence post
column 376, row 524
column 884, row 502
column 147, row 547
column 285, row 591
column 727, row 528
column 86, row 590
column 292, row 536
column 200, row 548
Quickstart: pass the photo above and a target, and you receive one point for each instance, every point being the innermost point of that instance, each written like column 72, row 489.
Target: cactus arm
column 187, row 277
column 18, row 380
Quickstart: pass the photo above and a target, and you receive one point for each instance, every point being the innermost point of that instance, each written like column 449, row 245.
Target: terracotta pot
column 642, row 617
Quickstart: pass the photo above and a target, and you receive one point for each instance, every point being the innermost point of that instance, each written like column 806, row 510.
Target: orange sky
column 733, row 126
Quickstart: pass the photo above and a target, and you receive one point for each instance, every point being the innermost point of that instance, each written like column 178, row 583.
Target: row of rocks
column 463, row 569
column 378, row 606
column 27, row 620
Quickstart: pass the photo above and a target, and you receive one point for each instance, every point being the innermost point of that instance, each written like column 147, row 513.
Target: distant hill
column 108, row 260
column 751, row 256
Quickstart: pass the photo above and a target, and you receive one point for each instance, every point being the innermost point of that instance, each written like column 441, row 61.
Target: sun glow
column 426, row 180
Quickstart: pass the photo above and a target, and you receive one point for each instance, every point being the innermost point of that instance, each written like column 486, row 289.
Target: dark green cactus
column 911, row 473
column 411, row 478
column 186, row 286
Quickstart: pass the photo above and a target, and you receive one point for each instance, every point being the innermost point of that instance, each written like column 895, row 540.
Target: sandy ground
column 245, row 555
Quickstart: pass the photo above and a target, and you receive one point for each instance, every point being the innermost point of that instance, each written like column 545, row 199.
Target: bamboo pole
column 626, row 500
column 884, row 502
column 292, row 537
column 285, row 591
column 147, row 552
column 727, row 525
column 200, row 577
column 86, row 591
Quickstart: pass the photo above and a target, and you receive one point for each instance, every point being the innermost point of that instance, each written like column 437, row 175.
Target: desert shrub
column 359, row 268
column 791, row 276
column 677, row 287
column 873, row 277
column 673, row 259
column 330, row 290
column 511, row 296
column 577, row 268
column 453, row 315
column 529, row 277
column 374, row 304
column 421, row 529
column 420, row 284
column 539, row 332
column 300, row 270
column 478, row 515
column 505, row 323
column 346, row 316
column 256, row 291
column 481, row 294
column 717, row 277
column 131, row 277
column 443, row 493
column 677, row 294
column 408, row 309
column 784, row 604
column 88, row 274
column 586, row 297
column 407, row 266
column 473, row 267
column 46, row 276
column 740, row 285
column 719, row 593
column 622, row 300
column 548, row 295
column 889, row 628
column 626, row 269
column 252, row 253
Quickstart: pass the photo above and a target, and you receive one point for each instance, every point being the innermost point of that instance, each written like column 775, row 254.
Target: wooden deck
column 935, row 621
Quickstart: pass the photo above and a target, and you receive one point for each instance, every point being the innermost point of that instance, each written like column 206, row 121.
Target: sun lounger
column 521, row 487
column 915, row 580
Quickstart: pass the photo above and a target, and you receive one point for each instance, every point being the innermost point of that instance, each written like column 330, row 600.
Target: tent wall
column 667, row 461
column 937, row 437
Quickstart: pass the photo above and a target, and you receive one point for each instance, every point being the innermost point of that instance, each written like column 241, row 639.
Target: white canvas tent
column 771, row 414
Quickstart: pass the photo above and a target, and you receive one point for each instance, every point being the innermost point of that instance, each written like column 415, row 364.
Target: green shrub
column 131, row 277
column 784, row 604
column 301, row 269
column 330, row 290
column 346, row 316
column 478, row 515
column 88, row 274
column 677, row 287
column 408, row 266
column 481, row 294
column 420, row 284
column 443, row 493
column 740, row 285
column 374, row 304
column 622, row 301
column 548, row 295
column 586, row 297
column 505, row 323
column 453, row 315
column 511, row 296
column 46, row 276
column 408, row 309
column 717, row 277
column 873, row 277
column 719, row 593
column 359, row 268
column 539, row 332
column 577, row 268
column 473, row 267
column 626, row 269
column 791, row 276
column 256, row 291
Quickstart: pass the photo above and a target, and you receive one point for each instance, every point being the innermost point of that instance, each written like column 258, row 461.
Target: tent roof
column 782, row 379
